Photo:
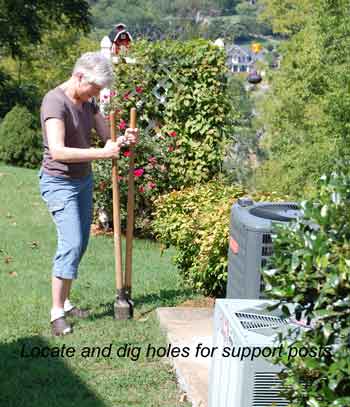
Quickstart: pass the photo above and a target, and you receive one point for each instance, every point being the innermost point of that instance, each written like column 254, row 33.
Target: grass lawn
column 27, row 245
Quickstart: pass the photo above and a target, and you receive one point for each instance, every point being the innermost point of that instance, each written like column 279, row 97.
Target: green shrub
column 196, row 221
column 20, row 140
column 184, row 116
column 312, row 270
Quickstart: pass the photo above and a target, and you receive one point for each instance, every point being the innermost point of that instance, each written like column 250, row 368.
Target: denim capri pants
column 69, row 201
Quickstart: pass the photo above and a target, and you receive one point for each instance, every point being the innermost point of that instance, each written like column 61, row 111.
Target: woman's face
column 85, row 90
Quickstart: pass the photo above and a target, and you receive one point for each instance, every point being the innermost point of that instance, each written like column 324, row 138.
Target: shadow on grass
column 40, row 382
column 165, row 298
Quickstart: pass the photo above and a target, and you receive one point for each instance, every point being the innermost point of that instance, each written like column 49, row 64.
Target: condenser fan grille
column 256, row 321
column 267, row 388
column 283, row 212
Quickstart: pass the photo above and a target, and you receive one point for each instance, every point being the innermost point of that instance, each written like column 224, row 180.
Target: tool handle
column 116, row 212
column 130, row 209
column 133, row 118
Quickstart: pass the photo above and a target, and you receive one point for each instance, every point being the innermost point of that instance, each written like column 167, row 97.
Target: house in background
column 239, row 59
column 120, row 38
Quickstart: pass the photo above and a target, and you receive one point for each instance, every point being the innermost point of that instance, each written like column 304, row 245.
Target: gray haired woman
column 68, row 114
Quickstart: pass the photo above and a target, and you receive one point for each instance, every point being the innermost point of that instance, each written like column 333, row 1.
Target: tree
column 23, row 25
column 288, row 16
column 159, row 19
column 306, row 114
column 22, row 22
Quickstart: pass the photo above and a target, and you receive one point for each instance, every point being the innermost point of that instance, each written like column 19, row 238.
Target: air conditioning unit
column 251, row 243
column 246, row 324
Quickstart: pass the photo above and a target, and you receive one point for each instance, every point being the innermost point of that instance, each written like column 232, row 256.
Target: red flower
column 172, row 134
column 151, row 185
column 142, row 189
column 139, row 89
column 127, row 153
column 112, row 93
column 139, row 172
column 122, row 125
column 171, row 148
column 126, row 95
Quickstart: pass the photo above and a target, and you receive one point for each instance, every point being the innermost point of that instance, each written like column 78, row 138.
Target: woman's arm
column 101, row 127
column 55, row 131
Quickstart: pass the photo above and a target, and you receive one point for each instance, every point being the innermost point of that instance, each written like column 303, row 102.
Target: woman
column 68, row 115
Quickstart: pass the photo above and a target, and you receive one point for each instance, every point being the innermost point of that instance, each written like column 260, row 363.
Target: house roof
column 118, row 30
column 235, row 49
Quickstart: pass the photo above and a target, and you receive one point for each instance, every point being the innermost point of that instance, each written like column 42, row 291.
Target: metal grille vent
column 266, row 251
column 266, row 247
column 267, row 388
column 256, row 321
column 266, row 238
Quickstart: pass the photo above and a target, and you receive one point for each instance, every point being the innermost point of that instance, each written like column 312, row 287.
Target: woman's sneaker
column 61, row 327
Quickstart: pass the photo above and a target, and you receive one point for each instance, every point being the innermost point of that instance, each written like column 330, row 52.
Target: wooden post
column 116, row 213
column 130, row 211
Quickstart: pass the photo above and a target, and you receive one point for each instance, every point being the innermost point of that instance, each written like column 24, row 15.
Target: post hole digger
column 123, row 306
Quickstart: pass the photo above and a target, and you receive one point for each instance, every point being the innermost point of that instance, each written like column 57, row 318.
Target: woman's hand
column 131, row 136
column 111, row 149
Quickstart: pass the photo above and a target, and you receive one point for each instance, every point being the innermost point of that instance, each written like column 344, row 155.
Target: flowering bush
column 196, row 221
column 151, row 179
column 179, row 92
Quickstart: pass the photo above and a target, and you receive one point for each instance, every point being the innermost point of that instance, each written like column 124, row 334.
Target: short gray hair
column 96, row 69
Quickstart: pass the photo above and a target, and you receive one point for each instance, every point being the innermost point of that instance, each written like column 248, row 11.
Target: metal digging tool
column 121, row 305
column 130, row 224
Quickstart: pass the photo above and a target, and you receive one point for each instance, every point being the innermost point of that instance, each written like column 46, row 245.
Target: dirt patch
column 207, row 302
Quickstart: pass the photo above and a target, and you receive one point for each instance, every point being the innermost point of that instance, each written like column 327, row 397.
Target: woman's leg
column 69, row 202
column 86, row 211
column 61, row 197
column 59, row 326
column 85, row 205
